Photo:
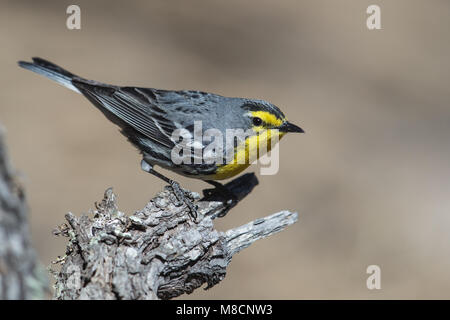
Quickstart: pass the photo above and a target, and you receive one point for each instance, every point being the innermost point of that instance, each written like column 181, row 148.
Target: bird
column 149, row 119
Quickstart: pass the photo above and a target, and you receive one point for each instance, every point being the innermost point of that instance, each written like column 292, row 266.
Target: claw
column 177, row 190
column 179, row 193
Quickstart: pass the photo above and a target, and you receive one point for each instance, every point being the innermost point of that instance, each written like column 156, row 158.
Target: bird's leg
column 177, row 190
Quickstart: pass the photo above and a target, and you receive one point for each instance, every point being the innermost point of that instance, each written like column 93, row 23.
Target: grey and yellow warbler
column 149, row 117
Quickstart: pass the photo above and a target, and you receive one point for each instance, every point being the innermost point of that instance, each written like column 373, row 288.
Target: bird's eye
column 257, row 121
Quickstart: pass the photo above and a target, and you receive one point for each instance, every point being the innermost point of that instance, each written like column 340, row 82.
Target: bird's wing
column 132, row 107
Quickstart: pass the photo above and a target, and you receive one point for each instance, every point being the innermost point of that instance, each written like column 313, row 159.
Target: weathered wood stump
column 158, row 252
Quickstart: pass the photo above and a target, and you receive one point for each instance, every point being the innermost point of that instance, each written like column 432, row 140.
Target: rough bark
column 158, row 252
column 21, row 276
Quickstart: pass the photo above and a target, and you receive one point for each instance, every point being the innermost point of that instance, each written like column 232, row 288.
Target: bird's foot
column 182, row 197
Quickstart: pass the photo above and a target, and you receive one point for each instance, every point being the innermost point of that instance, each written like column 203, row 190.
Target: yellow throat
column 252, row 148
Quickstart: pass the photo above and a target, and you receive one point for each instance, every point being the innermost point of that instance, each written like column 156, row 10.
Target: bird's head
column 261, row 115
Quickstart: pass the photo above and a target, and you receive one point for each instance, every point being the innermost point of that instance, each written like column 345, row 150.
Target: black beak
column 290, row 127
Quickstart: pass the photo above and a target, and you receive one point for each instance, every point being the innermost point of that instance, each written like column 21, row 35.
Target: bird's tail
column 51, row 71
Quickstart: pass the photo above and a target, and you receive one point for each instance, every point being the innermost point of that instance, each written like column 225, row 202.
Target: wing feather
column 127, row 105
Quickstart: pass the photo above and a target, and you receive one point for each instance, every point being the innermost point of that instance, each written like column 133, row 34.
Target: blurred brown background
column 370, row 178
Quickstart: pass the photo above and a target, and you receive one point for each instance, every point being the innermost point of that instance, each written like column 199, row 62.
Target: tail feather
column 51, row 71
